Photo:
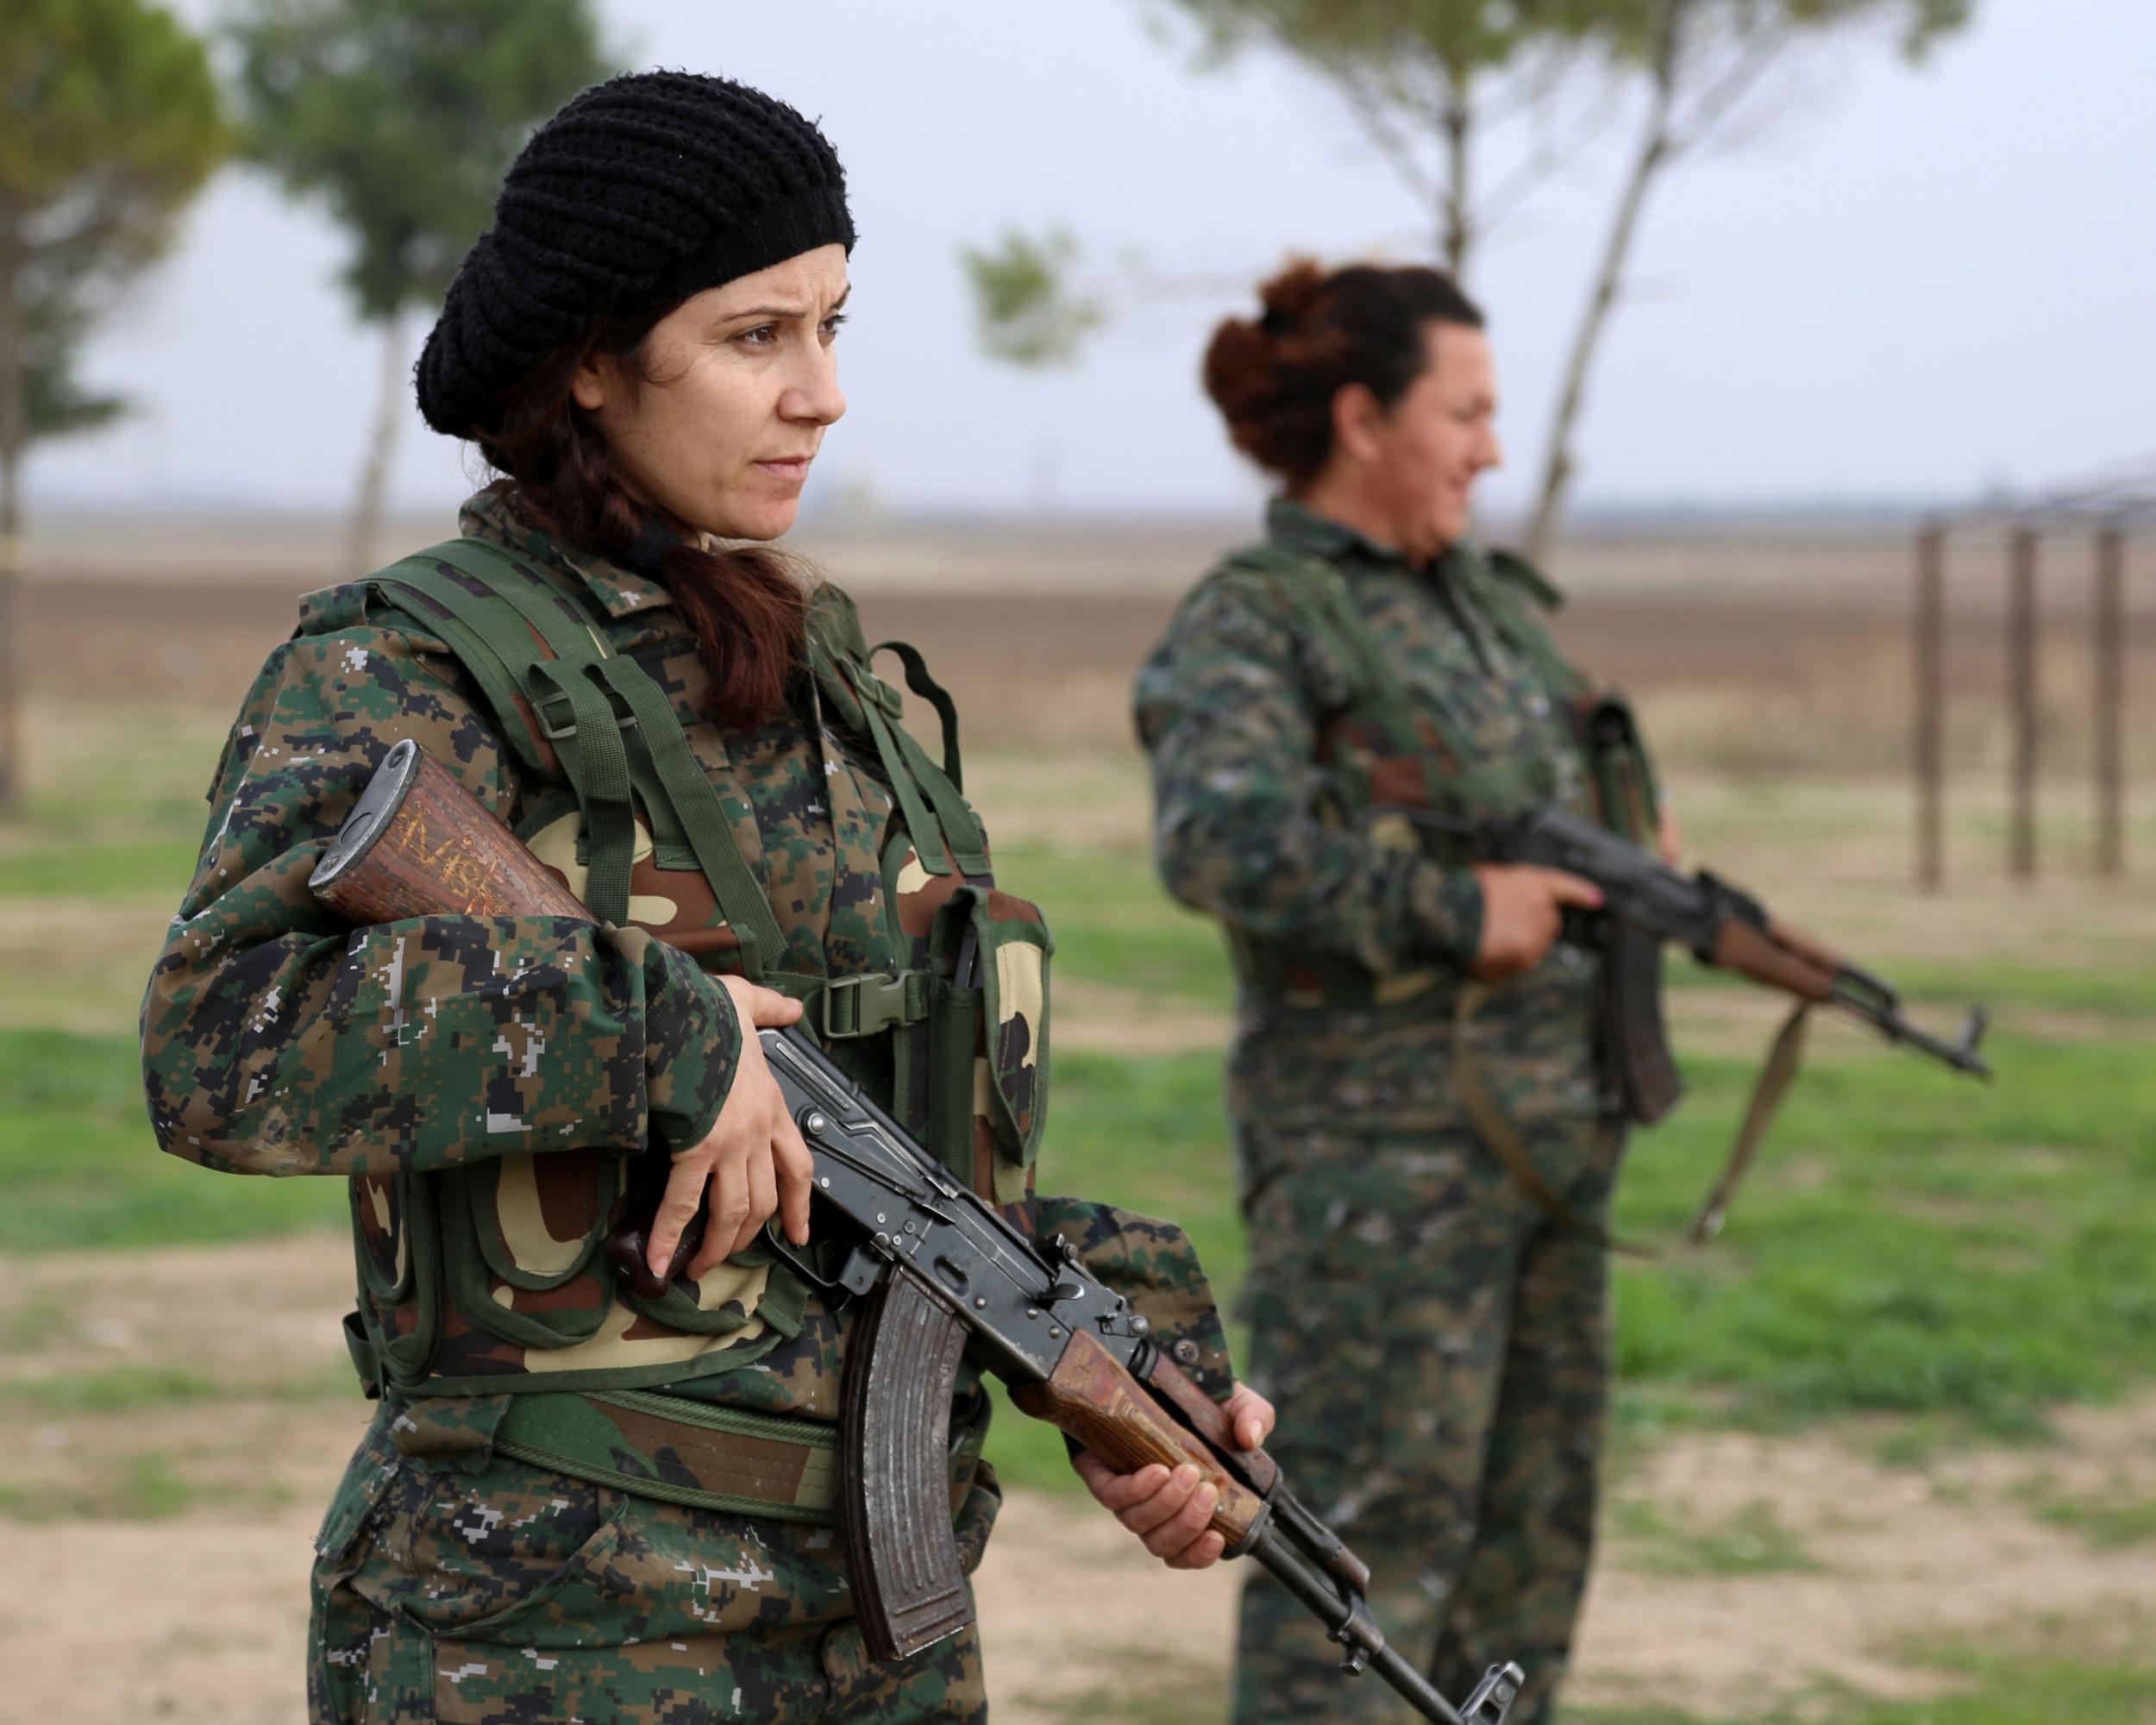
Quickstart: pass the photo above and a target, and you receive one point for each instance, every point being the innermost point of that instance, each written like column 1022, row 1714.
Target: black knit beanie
column 642, row 192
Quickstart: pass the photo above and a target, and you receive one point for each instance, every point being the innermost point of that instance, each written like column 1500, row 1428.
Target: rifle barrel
column 1353, row 1628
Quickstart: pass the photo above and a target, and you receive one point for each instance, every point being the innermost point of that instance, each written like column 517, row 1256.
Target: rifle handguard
column 1756, row 953
column 1094, row 1400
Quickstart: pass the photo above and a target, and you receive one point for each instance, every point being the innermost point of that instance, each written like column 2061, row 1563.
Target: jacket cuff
column 1445, row 905
column 691, row 1046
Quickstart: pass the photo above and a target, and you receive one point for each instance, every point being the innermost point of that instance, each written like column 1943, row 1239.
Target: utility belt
column 698, row 1454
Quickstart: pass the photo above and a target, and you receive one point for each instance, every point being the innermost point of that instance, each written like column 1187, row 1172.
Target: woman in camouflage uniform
column 1435, row 1340
column 581, row 1499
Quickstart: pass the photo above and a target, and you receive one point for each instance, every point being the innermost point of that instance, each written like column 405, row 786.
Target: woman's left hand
column 1668, row 837
column 1170, row 1511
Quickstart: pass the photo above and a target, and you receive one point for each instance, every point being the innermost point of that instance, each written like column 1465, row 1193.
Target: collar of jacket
column 1301, row 528
column 498, row 516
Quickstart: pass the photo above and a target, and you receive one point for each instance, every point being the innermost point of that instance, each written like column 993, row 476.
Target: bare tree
column 1427, row 81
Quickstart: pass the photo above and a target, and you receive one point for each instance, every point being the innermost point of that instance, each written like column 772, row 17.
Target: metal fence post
column 2110, row 693
column 2020, row 646
column 1927, row 640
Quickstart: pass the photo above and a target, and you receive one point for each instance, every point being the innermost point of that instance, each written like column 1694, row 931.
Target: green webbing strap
column 680, row 1451
column 589, row 744
column 697, row 805
column 851, row 1006
column 919, row 679
column 962, row 834
column 403, row 582
column 1317, row 594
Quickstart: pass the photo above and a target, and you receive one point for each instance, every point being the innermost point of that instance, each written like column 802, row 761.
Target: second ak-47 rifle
column 937, row 1273
column 1645, row 904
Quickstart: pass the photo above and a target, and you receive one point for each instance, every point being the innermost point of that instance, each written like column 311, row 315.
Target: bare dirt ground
column 190, row 1519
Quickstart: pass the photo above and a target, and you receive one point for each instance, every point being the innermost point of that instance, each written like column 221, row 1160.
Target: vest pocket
column 399, row 1252
column 531, row 1282
column 1004, row 1082
column 539, row 1218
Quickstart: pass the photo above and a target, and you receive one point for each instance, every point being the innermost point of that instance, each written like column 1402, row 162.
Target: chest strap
column 550, row 673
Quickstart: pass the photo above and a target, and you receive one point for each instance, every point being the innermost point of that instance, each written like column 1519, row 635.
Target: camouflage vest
column 492, row 1275
column 1384, row 752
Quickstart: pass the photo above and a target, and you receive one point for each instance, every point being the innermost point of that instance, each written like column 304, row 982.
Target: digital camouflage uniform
column 1436, row 1343
column 485, row 1085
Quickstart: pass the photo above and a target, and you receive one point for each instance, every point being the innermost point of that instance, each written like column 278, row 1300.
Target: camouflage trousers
column 1439, row 1349
column 452, row 1584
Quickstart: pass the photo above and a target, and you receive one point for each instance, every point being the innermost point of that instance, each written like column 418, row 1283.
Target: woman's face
column 717, row 426
column 1420, row 459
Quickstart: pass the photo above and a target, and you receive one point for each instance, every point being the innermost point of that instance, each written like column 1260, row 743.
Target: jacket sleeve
column 1227, row 711
column 277, row 1039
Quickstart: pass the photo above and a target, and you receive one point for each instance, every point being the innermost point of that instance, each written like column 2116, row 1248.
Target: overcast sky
column 1921, row 281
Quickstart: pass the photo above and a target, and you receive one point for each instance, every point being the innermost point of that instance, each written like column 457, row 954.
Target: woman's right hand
column 752, row 1162
column 1523, row 909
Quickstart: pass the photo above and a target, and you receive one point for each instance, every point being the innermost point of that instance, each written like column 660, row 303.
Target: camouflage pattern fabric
column 1263, row 782
column 1439, row 1349
column 484, row 1083
column 1151, row 1264
column 453, row 1583
column 1435, row 1348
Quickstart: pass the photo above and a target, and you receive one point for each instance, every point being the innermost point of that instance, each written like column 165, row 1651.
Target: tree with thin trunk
column 1428, row 82
column 112, row 126
column 401, row 116
column 1710, row 68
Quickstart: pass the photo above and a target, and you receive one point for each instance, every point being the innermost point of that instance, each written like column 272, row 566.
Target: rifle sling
column 1784, row 1055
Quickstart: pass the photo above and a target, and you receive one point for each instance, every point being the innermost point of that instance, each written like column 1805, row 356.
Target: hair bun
column 1273, row 377
column 1289, row 295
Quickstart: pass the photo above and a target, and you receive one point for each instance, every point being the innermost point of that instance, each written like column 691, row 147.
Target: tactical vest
column 1384, row 752
column 492, row 1276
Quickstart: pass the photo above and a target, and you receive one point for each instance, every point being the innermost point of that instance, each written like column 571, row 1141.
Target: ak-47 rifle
column 938, row 1273
column 1645, row 904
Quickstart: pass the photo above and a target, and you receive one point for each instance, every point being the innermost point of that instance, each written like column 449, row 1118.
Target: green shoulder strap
column 947, row 835
column 584, row 699
column 1316, row 597
column 1507, row 584
column 549, row 699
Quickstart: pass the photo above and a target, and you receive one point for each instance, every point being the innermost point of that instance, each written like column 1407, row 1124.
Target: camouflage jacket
column 1262, row 781
column 483, row 1083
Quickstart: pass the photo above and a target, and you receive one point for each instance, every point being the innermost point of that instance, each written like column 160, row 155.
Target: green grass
column 81, row 1169
column 1912, row 1243
column 144, row 1487
column 126, row 870
column 2106, row 1524
column 1114, row 924
column 1986, row 1688
column 1752, row 1542
column 108, row 1392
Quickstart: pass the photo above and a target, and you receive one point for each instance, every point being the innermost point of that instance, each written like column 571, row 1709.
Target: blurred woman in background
column 1427, row 1139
